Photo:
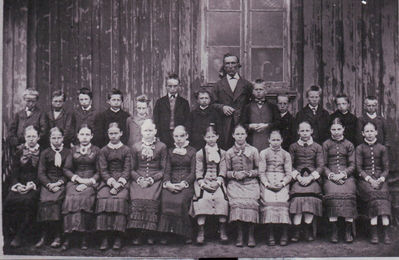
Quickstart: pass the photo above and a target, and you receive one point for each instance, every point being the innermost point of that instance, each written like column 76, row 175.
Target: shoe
column 270, row 240
column 188, row 241
column 56, row 242
column 374, row 235
column 223, row 235
column 387, row 238
column 295, row 237
column 240, row 240
column 348, row 232
column 65, row 245
column 308, row 232
column 104, row 243
column 16, row 242
column 251, row 237
column 334, row 232
column 150, row 241
column 164, row 241
column 83, row 244
column 117, row 243
column 137, row 241
column 201, row 235
column 284, row 236
column 41, row 241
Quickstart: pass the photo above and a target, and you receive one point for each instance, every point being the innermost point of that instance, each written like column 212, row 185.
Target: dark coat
column 286, row 125
column 66, row 122
column 379, row 121
column 162, row 113
column 350, row 121
column 223, row 96
column 83, row 117
column 319, row 122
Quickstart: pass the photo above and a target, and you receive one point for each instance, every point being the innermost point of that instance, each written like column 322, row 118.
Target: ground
column 319, row 248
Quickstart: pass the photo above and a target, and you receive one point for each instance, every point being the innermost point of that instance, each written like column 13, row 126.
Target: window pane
column 267, row 4
column 215, row 60
column 267, row 28
column 224, row 29
column 224, row 4
column 267, row 64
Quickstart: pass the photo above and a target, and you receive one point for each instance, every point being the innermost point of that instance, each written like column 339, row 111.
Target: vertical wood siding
column 341, row 45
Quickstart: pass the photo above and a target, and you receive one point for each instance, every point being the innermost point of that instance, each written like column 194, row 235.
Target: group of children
column 119, row 174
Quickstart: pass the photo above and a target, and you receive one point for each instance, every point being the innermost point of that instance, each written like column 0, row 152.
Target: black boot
column 240, row 240
column 65, row 245
column 104, row 242
column 308, row 232
column 83, row 244
column 374, row 234
column 348, row 232
column 334, row 232
column 295, row 237
column 270, row 240
column 387, row 238
column 223, row 232
column 251, row 237
column 284, row 236
column 117, row 243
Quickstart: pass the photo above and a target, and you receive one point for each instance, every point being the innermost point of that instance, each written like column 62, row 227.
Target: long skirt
column 174, row 212
column 243, row 200
column 378, row 201
column 306, row 199
column 274, row 206
column 111, row 210
column 144, row 207
column 50, row 204
column 209, row 203
column 78, row 209
column 340, row 200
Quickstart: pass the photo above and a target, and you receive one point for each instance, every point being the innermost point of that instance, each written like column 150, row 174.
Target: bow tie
column 260, row 101
column 232, row 77
column 172, row 96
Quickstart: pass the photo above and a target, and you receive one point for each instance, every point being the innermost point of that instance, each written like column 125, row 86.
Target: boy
column 259, row 116
column 59, row 117
column 285, row 122
column 347, row 118
column 315, row 114
column 370, row 115
column 113, row 114
column 170, row 111
column 200, row 118
column 30, row 115
column 84, row 113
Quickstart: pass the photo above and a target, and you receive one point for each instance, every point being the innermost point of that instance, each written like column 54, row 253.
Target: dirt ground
column 319, row 248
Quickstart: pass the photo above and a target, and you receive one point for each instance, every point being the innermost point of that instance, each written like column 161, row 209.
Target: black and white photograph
column 199, row 128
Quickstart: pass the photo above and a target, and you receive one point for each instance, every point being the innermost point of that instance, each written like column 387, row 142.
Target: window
column 255, row 30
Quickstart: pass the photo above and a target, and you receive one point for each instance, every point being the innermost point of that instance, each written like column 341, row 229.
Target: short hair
column 341, row 96
column 372, row 98
column 143, row 98
column 211, row 129
column 239, row 126
column 232, row 55
column 369, row 123
column 85, row 126
column 31, row 92
column 259, row 82
column 305, row 122
column 180, row 127
column 114, row 91
column 85, row 91
column 31, row 127
column 203, row 90
column 147, row 123
column 338, row 121
column 56, row 129
column 58, row 93
column 173, row 76
column 283, row 95
column 275, row 130
column 313, row 88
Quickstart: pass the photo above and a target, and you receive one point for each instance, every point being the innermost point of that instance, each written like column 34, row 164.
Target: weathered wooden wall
column 341, row 45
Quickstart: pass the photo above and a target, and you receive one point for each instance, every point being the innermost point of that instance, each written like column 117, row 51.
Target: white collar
column 54, row 149
column 203, row 108
column 184, row 145
column 35, row 148
column 169, row 95
column 151, row 142
column 372, row 116
column 316, row 107
column 235, row 77
column 346, row 112
column 86, row 109
column 211, row 148
column 302, row 143
column 115, row 146
column 115, row 110
column 283, row 114
column 370, row 143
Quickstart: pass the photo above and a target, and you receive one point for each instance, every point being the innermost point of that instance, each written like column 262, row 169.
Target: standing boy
column 84, row 113
column 170, row 111
column 348, row 119
column 315, row 114
column 286, row 121
column 114, row 114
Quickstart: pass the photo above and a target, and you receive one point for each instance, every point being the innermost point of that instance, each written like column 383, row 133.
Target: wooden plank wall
column 341, row 45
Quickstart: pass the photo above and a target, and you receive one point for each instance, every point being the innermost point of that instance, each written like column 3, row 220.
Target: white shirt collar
column 115, row 110
column 235, row 77
column 56, row 114
column 115, row 146
column 372, row 116
column 55, row 149
column 203, row 108
column 302, row 143
column 346, row 112
column 310, row 106
column 169, row 95
column 86, row 109
column 283, row 114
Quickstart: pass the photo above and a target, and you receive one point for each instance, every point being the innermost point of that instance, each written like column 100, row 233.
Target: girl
column 21, row 201
column 243, row 187
column 339, row 186
column 52, row 192
column 210, row 197
column 178, row 190
column 275, row 168
column 113, row 194
column 305, row 194
column 134, row 123
column 373, row 167
column 83, row 175
column 148, row 167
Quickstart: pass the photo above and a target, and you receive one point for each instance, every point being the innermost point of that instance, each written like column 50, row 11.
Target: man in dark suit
column 231, row 94
column 170, row 111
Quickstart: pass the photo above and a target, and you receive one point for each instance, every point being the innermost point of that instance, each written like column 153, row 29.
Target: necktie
column 28, row 113
column 314, row 110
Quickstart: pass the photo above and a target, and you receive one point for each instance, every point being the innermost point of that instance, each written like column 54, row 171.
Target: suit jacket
column 223, row 96
column 66, row 122
column 286, row 124
column 83, row 117
column 162, row 114
column 319, row 122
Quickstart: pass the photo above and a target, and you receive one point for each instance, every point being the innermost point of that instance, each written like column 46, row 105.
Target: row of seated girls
column 140, row 191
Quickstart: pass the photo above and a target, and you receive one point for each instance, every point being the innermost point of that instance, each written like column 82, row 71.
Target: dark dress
column 319, row 122
column 339, row 199
column 111, row 210
column 372, row 160
column 198, row 121
column 306, row 199
column 145, row 202
column 83, row 117
column 101, row 125
column 50, row 203
column 66, row 122
column 78, row 206
column 350, row 121
column 24, row 171
column 175, row 206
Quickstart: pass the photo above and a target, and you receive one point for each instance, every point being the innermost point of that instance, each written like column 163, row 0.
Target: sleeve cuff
column 367, row 178
column 294, row 174
column 139, row 179
column 186, row 185
column 330, row 175
column 220, row 180
column 151, row 180
column 382, row 179
column 15, row 187
column 73, row 179
column 315, row 175
column 93, row 181
column 122, row 180
column 110, row 181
